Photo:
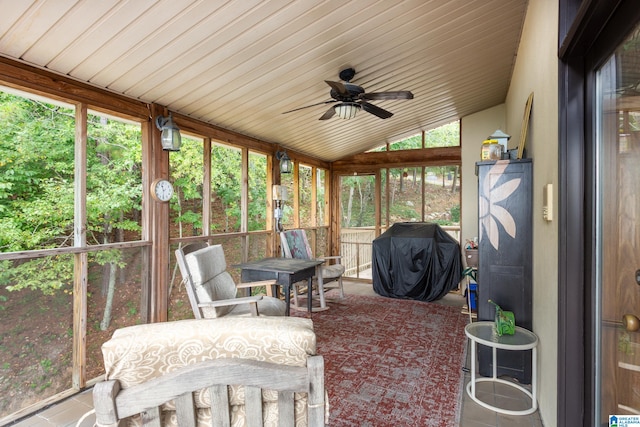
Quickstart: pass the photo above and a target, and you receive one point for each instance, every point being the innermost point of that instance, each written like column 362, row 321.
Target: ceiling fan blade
column 375, row 110
column 330, row 113
column 401, row 94
column 312, row 105
column 338, row 87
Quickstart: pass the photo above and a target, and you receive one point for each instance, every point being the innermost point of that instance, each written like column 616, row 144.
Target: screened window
column 46, row 208
column 226, row 189
column 187, row 169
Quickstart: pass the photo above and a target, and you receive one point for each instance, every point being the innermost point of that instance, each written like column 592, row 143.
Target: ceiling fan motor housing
column 351, row 98
column 353, row 92
column 347, row 74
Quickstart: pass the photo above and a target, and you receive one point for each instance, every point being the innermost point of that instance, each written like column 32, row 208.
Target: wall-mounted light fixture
column 279, row 192
column 286, row 165
column 171, row 139
column 347, row 110
column 279, row 195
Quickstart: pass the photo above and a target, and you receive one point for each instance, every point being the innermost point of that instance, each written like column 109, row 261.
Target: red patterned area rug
column 391, row 362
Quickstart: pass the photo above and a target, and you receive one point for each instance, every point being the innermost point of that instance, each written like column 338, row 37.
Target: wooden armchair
column 240, row 371
column 295, row 244
column 212, row 291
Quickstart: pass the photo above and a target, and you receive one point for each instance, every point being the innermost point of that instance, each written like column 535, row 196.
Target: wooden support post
column 80, row 273
column 159, row 225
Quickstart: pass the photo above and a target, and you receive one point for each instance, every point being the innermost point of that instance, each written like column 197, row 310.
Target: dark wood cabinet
column 505, row 255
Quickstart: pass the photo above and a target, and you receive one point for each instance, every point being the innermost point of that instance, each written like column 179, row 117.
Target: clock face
column 162, row 190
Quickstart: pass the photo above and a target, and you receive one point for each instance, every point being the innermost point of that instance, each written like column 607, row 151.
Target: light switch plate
column 547, row 203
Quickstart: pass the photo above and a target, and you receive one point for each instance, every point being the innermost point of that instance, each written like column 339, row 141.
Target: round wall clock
column 161, row 190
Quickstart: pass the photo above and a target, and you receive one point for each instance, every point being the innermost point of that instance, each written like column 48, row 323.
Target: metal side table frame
column 523, row 339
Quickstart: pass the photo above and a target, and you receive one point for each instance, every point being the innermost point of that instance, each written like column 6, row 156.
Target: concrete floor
column 70, row 411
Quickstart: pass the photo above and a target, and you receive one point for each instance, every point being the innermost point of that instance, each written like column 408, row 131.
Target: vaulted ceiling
column 240, row 64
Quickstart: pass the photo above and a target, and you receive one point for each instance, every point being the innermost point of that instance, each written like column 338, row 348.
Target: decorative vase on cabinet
column 505, row 255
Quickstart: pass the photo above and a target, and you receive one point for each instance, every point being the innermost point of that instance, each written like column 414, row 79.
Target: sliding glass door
column 617, row 142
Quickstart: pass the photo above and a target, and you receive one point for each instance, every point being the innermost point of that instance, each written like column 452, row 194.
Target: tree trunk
column 106, row 318
column 180, row 234
column 122, row 276
column 349, row 207
column 362, row 198
column 455, row 179
column 107, row 270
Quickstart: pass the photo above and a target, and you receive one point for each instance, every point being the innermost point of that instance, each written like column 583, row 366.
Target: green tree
column 226, row 185
column 188, row 176
column 257, row 192
column 37, row 190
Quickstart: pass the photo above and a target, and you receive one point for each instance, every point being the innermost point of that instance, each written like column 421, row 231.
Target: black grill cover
column 416, row 261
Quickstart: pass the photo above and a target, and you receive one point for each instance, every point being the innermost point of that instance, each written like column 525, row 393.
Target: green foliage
column 37, row 173
column 357, row 194
column 37, row 186
column 257, row 214
column 409, row 143
column 455, row 214
column 226, row 180
column 443, row 136
column 48, row 274
column 187, row 175
column 132, row 308
column 357, row 199
column 46, row 365
column 405, row 212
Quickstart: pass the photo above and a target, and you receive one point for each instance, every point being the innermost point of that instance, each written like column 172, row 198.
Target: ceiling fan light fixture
column 347, row 110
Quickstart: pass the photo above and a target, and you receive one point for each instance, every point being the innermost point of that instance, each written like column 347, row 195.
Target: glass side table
column 523, row 339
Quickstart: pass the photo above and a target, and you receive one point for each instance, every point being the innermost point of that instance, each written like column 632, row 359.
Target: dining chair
column 295, row 244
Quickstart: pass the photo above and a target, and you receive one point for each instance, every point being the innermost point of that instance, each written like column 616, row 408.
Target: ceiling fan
column 351, row 98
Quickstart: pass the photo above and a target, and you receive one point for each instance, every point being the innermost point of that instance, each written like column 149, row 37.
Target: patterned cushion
column 138, row 353
column 298, row 244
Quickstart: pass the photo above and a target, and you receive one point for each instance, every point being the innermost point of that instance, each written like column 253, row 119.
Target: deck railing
column 356, row 249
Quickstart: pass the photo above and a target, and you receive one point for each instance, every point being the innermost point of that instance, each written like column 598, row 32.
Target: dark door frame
column 589, row 32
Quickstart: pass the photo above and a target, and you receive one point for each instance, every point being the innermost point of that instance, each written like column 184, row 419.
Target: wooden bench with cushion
column 230, row 371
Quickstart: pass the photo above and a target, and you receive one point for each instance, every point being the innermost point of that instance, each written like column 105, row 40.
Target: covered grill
column 416, row 261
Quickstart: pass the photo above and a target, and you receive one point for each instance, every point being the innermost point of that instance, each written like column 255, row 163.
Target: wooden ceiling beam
column 24, row 77
column 370, row 162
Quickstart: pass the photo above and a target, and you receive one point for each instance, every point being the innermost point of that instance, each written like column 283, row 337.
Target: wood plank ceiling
column 240, row 64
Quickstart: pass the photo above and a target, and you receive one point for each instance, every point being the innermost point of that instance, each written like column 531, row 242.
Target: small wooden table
column 286, row 271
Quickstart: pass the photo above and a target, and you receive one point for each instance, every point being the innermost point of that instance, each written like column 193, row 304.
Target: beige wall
column 473, row 130
column 536, row 70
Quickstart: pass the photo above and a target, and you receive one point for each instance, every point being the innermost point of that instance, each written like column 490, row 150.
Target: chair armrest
column 234, row 301
column 336, row 257
column 255, row 284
